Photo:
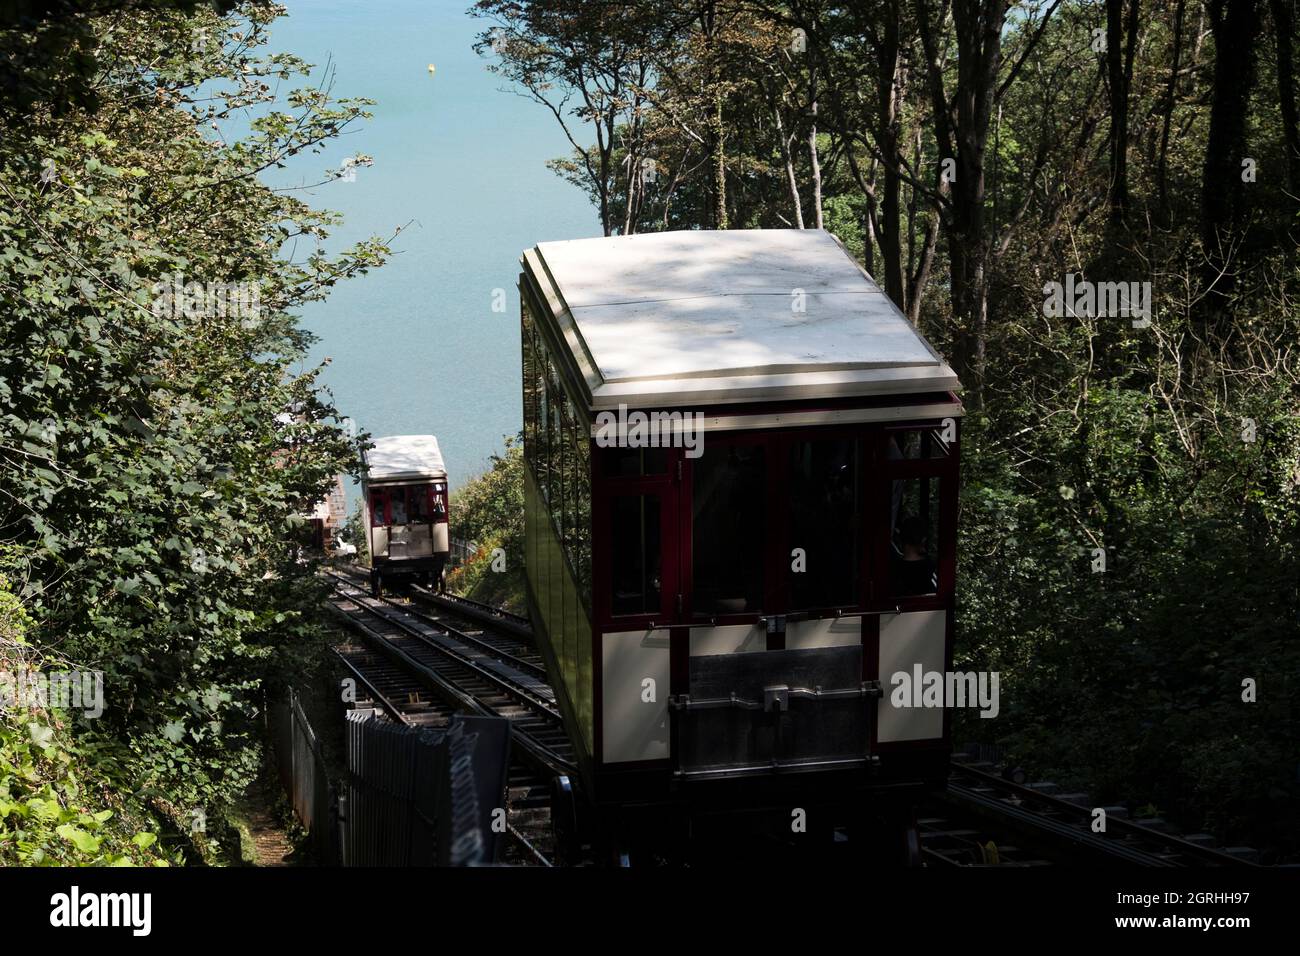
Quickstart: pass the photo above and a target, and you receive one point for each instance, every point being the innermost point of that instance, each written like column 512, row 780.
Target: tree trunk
column 787, row 159
column 604, row 184
column 812, row 148
column 1119, row 68
column 919, row 278
column 1171, row 92
column 633, row 181
column 1235, row 25
column 1284, row 27
column 979, row 26
column 887, row 137
column 719, row 170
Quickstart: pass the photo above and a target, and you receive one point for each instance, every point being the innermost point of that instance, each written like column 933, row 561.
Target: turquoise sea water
column 415, row 346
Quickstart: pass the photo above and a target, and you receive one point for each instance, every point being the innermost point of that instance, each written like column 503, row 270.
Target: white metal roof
column 733, row 315
column 405, row 457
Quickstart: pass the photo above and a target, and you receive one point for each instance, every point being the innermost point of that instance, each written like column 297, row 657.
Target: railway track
column 505, row 644
column 510, row 642
column 386, row 686
column 954, row 836
column 420, row 662
column 419, row 673
column 501, row 633
column 1058, row 828
column 469, row 609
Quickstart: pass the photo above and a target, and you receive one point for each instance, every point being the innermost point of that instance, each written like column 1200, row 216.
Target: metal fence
column 305, row 778
column 387, row 807
column 409, row 796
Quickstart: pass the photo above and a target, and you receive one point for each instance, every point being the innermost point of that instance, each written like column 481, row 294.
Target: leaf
column 128, row 585
column 41, row 735
column 83, row 841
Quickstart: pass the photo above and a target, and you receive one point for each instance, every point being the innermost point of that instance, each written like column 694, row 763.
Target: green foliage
column 55, row 64
column 156, row 453
column 488, row 511
column 52, row 810
column 46, row 801
column 1083, row 432
column 357, row 534
column 1128, row 681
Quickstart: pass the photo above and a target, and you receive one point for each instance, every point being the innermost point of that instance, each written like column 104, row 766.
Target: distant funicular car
column 405, row 492
column 740, row 518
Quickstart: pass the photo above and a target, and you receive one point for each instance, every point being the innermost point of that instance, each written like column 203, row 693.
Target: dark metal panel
column 774, row 708
column 410, row 796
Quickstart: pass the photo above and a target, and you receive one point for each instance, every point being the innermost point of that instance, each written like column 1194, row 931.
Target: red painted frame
column 876, row 474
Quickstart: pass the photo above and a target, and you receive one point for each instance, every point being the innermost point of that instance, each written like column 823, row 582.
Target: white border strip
column 723, row 423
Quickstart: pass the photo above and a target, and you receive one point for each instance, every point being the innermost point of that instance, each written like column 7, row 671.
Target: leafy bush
column 488, row 511
column 1128, row 681
column 57, row 806
column 157, row 450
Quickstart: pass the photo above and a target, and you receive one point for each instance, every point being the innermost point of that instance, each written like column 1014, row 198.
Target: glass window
column 914, row 542
column 530, row 389
column 728, row 532
column 917, row 443
column 554, row 443
column 583, row 568
column 562, row 505
column 378, row 515
column 573, row 481
column 397, row 502
column 634, row 462
column 824, row 524
column 636, row 553
column 555, row 449
column 542, row 452
column 421, row 504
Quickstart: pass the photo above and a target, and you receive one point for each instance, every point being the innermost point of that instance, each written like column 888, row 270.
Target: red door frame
column 772, row 582
column 674, row 486
column 604, row 490
column 946, row 470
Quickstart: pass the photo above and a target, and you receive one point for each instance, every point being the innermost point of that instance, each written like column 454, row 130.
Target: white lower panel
column 826, row 632
column 728, row 639
column 410, row 541
column 634, row 695
column 916, row 637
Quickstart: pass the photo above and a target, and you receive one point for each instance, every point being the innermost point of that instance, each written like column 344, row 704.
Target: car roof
column 691, row 316
column 404, row 457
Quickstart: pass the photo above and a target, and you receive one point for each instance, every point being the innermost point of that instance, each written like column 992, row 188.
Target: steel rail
column 543, row 756
column 376, row 694
column 1079, row 830
column 536, row 670
column 486, row 613
column 525, row 694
